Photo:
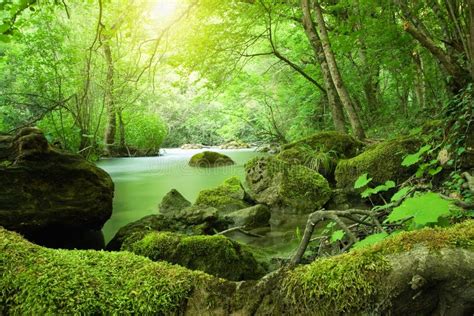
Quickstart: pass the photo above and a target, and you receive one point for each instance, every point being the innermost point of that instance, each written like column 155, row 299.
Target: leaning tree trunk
column 333, row 98
column 110, row 130
column 336, row 76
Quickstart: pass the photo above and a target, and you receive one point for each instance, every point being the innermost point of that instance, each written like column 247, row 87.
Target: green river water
column 141, row 183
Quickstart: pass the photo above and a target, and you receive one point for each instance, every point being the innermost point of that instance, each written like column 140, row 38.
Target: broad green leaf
column 337, row 235
column 435, row 171
column 412, row 159
column 362, row 181
column 370, row 240
column 425, row 208
column 400, row 194
column 381, row 188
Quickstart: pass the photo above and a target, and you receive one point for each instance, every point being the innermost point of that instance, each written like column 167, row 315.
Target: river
column 141, row 183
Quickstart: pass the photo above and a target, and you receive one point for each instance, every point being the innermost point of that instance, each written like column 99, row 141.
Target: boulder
column 342, row 145
column 193, row 220
column 216, row 255
column 173, row 202
column 52, row 198
column 322, row 162
column 192, row 146
column 251, row 217
column 293, row 189
column 382, row 162
column 208, row 159
column 235, row 144
column 229, row 196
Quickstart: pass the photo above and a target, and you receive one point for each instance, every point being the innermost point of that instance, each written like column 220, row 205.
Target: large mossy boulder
column 208, row 159
column 193, row 220
column 342, row 145
column 322, row 162
column 251, row 217
column 216, row 255
column 293, row 189
column 382, row 162
column 227, row 197
column 173, row 202
column 53, row 198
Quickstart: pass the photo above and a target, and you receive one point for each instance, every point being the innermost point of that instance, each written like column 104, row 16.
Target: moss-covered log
column 430, row 271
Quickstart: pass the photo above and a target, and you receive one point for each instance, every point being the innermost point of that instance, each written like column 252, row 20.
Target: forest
column 237, row 157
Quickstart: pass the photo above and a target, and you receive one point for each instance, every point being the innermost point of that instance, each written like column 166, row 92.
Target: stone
column 52, row 197
column 235, row 144
column 208, row 159
column 251, row 217
column 173, row 202
column 294, row 189
column 382, row 162
column 228, row 197
column 216, row 255
column 342, row 145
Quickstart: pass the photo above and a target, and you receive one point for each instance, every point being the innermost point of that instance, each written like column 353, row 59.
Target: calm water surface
column 141, row 183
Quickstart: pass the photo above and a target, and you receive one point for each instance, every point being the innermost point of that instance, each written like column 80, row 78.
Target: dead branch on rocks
column 336, row 216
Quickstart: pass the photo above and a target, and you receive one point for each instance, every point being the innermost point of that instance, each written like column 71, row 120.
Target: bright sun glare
column 164, row 9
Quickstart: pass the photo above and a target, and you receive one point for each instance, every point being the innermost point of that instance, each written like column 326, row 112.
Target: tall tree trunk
column 420, row 88
column 471, row 36
column 336, row 76
column 110, row 130
column 333, row 99
column 121, row 130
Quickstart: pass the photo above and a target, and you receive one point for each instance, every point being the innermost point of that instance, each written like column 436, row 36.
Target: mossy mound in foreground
column 208, row 159
column 343, row 145
column 382, row 162
column 216, row 255
column 381, row 279
column 227, row 197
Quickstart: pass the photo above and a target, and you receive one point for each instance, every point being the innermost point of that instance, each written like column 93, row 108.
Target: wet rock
column 51, row 196
column 235, row 144
column 173, row 202
column 229, row 196
column 193, row 220
column 215, row 255
column 382, row 162
column 208, row 159
column 342, row 145
column 192, row 146
column 295, row 189
column 251, row 217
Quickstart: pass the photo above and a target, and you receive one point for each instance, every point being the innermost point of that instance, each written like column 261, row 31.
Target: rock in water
column 53, row 198
column 208, row 159
column 293, row 189
column 215, row 255
column 173, row 202
column 228, row 197
column 251, row 217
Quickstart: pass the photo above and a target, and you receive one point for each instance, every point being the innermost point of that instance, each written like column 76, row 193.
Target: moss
column 382, row 162
column 294, row 188
column 37, row 280
column 354, row 283
column 216, row 255
column 322, row 162
column 173, row 202
column 342, row 144
column 208, row 159
column 227, row 197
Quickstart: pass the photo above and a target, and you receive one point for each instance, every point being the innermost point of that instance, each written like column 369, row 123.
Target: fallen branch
column 239, row 229
column 321, row 215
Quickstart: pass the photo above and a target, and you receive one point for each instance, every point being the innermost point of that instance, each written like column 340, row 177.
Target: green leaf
column 412, row 159
column 400, row 194
column 370, row 240
column 433, row 172
column 362, row 181
column 425, row 208
column 381, row 188
column 337, row 235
